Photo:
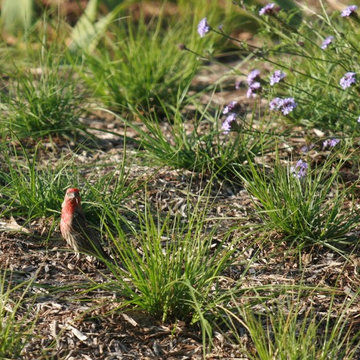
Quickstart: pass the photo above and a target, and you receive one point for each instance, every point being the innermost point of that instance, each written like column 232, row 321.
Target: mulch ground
column 75, row 325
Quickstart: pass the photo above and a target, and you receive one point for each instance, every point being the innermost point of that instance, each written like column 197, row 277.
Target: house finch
column 74, row 229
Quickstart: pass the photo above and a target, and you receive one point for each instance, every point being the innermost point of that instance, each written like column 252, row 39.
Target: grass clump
column 31, row 188
column 173, row 268
column 307, row 205
column 142, row 64
column 200, row 144
column 42, row 101
column 289, row 328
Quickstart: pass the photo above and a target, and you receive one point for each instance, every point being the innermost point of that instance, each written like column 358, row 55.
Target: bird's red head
column 72, row 196
column 72, row 192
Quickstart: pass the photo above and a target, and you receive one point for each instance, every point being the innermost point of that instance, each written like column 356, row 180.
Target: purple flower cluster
column 327, row 41
column 300, row 169
column 231, row 107
column 276, row 77
column 347, row 80
column 253, row 89
column 203, row 27
column 306, row 148
column 253, row 76
column 286, row 105
column 330, row 143
column 253, row 81
column 268, row 9
column 349, row 11
column 275, row 103
column 226, row 126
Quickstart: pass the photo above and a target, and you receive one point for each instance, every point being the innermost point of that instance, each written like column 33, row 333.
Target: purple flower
column 276, row 77
column 306, row 148
column 253, row 82
column 333, row 142
column 350, row 10
column 300, row 169
column 330, row 143
column 253, row 89
column 358, row 120
column 226, row 126
column 288, row 105
column 231, row 117
column 327, row 41
column 268, row 9
column 230, row 107
column 347, row 80
column 275, row 104
column 203, row 27
column 253, row 76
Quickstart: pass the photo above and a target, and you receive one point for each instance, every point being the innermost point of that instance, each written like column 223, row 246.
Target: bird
column 74, row 229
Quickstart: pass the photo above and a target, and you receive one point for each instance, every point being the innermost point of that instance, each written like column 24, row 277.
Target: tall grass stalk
column 315, row 56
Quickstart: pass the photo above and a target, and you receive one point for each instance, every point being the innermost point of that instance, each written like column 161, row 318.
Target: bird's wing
column 79, row 221
column 87, row 237
column 80, row 230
